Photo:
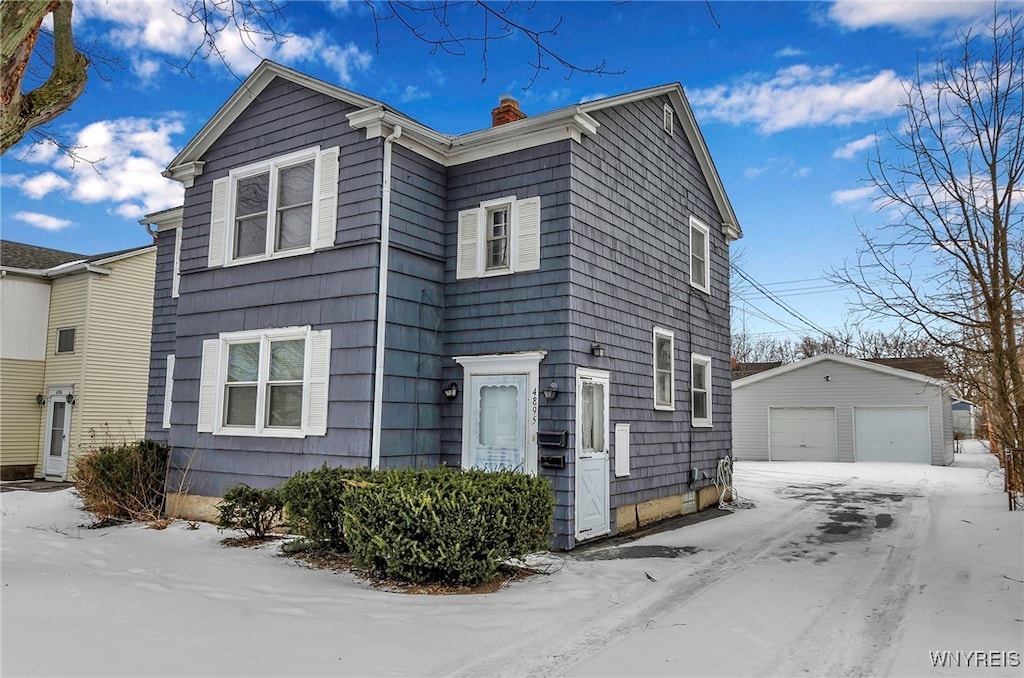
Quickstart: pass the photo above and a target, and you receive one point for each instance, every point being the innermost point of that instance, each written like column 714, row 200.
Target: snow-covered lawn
column 840, row 570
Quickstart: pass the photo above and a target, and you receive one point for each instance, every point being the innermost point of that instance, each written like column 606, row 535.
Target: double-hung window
column 664, row 369
column 699, row 255
column 268, row 382
column 499, row 237
column 700, row 389
column 276, row 208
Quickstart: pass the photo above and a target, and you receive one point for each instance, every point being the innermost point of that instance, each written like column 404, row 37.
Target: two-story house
column 74, row 354
column 345, row 285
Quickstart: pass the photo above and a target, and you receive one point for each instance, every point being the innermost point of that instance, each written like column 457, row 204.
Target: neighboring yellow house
column 74, row 354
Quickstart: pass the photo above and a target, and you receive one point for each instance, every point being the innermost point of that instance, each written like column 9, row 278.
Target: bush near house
column 445, row 525
column 252, row 511
column 313, row 503
column 124, row 480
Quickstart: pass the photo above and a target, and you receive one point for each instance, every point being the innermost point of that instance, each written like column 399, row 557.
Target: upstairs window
column 66, row 340
column 700, row 387
column 276, row 208
column 499, row 237
column 699, row 255
column 268, row 383
column 664, row 369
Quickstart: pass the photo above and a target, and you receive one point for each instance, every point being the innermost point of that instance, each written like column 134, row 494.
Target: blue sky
column 790, row 97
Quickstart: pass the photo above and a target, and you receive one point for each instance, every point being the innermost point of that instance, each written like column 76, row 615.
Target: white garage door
column 802, row 433
column 892, row 434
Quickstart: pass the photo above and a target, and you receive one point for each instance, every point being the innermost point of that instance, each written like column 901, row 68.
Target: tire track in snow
column 853, row 634
column 551, row 650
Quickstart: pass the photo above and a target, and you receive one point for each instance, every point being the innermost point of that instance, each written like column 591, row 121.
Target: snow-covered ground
column 840, row 570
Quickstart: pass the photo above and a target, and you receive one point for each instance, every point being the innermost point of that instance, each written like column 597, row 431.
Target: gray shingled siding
column 162, row 343
column 411, row 417
column 519, row 312
column 330, row 289
column 630, row 273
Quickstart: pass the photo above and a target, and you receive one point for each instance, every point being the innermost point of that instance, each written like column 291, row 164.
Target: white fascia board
column 165, row 220
column 843, row 360
column 568, row 123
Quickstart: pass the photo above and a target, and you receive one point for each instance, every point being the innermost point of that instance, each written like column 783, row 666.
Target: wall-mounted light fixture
column 70, row 398
column 551, row 391
column 828, row 377
column 597, row 350
column 451, row 390
column 40, row 399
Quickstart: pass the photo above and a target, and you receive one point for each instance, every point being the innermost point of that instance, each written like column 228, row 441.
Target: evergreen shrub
column 445, row 525
column 250, row 510
column 124, row 480
column 313, row 503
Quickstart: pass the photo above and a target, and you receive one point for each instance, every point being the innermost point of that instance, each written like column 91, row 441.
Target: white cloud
column 912, row 14
column 788, row 51
column 593, row 97
column 413, row 93
column 850, row 150
column 149, row 28
column 437, row 75
column 754, row 172
column 43, row 221
column 41, row 184
column 801, row 172
column 339, row 6
column 800, row 96
column 849, row 195
column 128, row 155
column 145, row 69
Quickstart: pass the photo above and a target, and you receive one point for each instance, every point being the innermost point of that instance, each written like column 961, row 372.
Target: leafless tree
column 950, row 263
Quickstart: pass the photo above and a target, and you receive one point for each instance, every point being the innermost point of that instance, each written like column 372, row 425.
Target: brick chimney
column 507, row 111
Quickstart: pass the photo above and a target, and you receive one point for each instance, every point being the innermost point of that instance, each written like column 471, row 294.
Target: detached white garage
column 832, row 408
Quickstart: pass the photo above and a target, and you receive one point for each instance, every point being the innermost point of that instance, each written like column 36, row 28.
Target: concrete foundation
column 635, row 516
column 192, row 507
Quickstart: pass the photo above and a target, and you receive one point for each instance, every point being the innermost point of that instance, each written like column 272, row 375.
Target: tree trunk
column 19, row 23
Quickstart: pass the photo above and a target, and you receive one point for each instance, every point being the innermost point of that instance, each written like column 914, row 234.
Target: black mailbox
column 552, row 461
column 553, row 438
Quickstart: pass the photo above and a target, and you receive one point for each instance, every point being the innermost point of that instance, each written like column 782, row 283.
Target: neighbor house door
column 58, row 424
column 592, row 468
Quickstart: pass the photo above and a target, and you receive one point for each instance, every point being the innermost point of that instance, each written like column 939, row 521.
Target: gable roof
column 929, row 366
column 32, row 257
column 380, row 119
column 843, row 360
column 43, row 262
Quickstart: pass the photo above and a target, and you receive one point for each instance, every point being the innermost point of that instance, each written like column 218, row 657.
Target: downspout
column 382, row 300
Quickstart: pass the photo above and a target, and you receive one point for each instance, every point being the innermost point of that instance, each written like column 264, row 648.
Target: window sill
column 277, row 255
column 265, row 433
column 701, row 424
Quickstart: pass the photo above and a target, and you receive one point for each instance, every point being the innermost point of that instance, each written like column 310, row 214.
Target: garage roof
column 853, row 362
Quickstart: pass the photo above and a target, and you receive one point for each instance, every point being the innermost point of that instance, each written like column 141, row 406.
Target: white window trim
column 702, row 285
column 168, row 390
column 668, row 117
column 214, row 381
column 323, row 219
column 524, row 238
column 696, row 358
column 660, row 332
column 56, row 340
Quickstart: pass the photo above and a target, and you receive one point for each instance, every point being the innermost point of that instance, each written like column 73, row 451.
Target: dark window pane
column 251, row 236
column 284, row 405
column 293, row 227
column 287, row 360
column 295, row 185
column 251, row 195
column 240, row 409
column 243, row 362
column 66, row 340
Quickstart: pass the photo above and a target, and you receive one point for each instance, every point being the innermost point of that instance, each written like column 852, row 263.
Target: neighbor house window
column 700, row 387
column 699, row 255
column 664, row 369
column 66, row 340
column 280, row 207
column 269, row 383
column 499, row 237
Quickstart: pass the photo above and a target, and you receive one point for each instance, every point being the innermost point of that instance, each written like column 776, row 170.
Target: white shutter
column 318, row 382
column 218, row 221
column 168, row 387
column 327, row 200
column 466, row 265
column 177, row 261
column 527, row 235
column 208, row 388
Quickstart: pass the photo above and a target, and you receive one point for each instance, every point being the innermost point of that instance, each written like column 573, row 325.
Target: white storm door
column 498, row 422
column 592, row 468
column 58, row 420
